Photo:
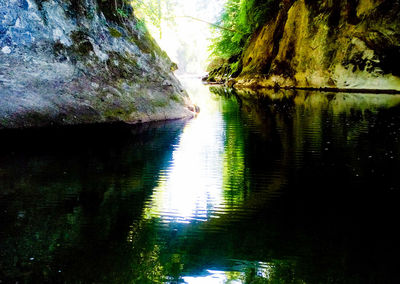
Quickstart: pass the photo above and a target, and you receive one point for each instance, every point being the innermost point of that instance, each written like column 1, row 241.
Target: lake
column 262, row 187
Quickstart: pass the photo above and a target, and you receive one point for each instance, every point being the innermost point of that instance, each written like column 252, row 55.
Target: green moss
column 174, row 66
column 119, row 112
column 122, row 66
column 234, row 67
column 115, row 113
column 159, row 103
column 114, row 32
column 143, row 46
column 81, row 45
column 175, row 97
column 147, row 45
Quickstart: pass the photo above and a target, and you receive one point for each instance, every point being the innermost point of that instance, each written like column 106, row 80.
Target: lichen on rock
column 77, row 62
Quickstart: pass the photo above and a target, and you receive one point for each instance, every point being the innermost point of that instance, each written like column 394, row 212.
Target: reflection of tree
column 317, row 141
column 234, row 176
column 303, row 238
column 79, row 211
column 244, row 151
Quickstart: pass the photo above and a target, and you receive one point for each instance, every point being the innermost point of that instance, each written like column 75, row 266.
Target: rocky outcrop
column 76, row 62
column 352, row 44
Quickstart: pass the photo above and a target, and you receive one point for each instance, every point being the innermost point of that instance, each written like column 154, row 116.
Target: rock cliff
column 76, row 62
column 324, row 44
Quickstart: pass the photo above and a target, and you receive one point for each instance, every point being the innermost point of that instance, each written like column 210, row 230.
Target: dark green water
column 276, row 188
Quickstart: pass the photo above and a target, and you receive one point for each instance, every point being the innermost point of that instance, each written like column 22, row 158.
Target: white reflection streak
column 192, row 186
column 215, row 277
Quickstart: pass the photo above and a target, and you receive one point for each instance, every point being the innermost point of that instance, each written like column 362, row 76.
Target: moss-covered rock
column 324, row 44
column 75, row 62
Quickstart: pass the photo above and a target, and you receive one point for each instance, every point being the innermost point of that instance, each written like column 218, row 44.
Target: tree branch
column 211, row 24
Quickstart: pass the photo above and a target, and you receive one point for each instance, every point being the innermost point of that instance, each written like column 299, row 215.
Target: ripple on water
column 285, row 187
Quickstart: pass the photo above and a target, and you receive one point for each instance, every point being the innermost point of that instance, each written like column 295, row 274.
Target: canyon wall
column 324, row 44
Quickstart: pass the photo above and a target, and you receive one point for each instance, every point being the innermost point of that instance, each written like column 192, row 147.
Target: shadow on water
column 69, row 196
column 274, row 187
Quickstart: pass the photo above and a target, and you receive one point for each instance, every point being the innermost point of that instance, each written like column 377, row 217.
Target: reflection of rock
column 60, row 59
column 230, row 83
column 337, row 102
column 71, row 210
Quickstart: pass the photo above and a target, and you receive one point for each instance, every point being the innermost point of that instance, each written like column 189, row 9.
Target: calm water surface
column 273, row 187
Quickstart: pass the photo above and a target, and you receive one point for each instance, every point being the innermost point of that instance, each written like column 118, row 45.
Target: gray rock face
column 72, row 62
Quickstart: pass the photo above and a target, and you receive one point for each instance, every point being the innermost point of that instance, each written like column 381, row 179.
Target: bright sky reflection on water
column 191, row 187
column 215, row 277
column 261, row 269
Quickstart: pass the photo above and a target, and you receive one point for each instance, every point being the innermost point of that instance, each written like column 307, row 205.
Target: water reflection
column 273, row 187
column 68, row 198
column 256, row 272
column 190, row 188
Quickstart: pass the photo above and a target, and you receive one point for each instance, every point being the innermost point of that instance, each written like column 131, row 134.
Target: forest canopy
column 238, row 20
column 181, row 28
column 231, row 29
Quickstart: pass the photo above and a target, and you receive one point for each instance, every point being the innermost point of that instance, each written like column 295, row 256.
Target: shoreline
column 320, row 89
column 93, row 126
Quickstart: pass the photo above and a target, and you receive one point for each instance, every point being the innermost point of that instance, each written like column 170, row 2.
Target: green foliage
column 114, row 32
column 122, row 13
column 148, row 10
column 141, row 26
column 235, row 66
column 153, row 12
column 239, row 19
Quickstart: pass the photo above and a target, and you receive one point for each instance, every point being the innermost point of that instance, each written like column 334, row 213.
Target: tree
column 154, row 12
column 239, row 20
